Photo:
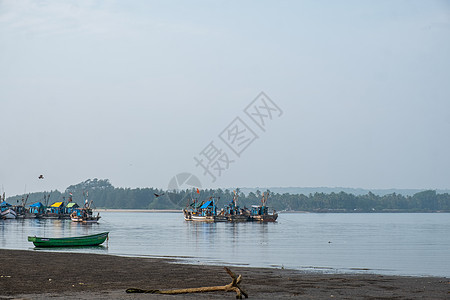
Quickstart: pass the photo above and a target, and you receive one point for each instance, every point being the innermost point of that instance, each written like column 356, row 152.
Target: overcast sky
column 132, row 91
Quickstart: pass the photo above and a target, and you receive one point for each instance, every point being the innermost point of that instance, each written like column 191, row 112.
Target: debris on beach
column 231, row 287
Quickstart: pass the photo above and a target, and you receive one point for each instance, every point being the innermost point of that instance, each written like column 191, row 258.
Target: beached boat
column 261, row 212
column 87, row 240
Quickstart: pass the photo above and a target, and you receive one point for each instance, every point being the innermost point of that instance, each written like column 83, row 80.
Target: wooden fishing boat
column 234, row 213
column 260, row 213
column 8, row 213
column 87, row 240
column 206, row 212
column 35, row 210
column 84, row 215
column 6, row 209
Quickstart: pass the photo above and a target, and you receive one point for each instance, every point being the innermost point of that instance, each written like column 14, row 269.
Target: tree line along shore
column 105, row 195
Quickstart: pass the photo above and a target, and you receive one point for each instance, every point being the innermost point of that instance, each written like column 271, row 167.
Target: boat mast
column 24, row 201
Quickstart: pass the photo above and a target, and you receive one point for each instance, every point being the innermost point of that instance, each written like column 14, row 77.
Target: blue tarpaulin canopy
column 4, row 203
column 37, row 204
column 206, row 204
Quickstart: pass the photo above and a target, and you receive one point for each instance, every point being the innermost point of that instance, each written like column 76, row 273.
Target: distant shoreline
column 279, row 212
column 138, row 210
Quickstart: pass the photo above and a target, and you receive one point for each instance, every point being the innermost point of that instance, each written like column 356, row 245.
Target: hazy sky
column 134, row 90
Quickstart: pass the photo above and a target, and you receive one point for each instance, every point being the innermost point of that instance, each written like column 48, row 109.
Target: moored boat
column 55, row 211
column 35, row 210
column 87, row 240
column 84, row 215
column 191, row 209
column 6, row 210
column 234, row 213
column 21, row 211
column 207, row 212
column 261, row 213
column 8, row 213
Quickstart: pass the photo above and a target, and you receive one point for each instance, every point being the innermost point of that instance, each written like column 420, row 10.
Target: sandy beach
column 40, row 275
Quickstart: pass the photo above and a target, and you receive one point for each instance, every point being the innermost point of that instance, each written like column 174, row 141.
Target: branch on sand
column 231, row 287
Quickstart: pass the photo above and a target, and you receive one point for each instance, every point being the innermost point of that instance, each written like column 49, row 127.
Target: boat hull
column 238, row 218
column 85, row 220
column 207, row 218
column 8, row 214
column 88, row 240
column 202, row 218
column 265, row 218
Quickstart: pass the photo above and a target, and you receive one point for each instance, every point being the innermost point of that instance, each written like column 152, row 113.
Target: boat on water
column 35, row 210
column 260, row 213
column 234, row 213
column 8, row 213
column 76, row 241
column 54, row 211
column 191, row 209
column 21, row 211
column 205, row 212
column 84, row 214
column 6, row 209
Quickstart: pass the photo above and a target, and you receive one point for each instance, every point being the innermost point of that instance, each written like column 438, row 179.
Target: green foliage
column 107, row 196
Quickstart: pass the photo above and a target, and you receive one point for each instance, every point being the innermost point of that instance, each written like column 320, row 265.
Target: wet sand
column 43, row 275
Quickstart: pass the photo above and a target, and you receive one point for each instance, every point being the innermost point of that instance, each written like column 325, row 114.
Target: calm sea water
column 391, row 244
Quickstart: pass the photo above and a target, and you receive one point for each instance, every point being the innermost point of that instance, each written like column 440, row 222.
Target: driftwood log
column 231, row 287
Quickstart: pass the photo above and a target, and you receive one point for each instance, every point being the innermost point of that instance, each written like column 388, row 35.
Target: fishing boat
column 55, row 211
column 87, row 240
column 8, row 213
column 206, row 212
column 234, row 213
column 84, row 215
column 260, row 213
column 6, row 210
column 35, row 210
column 21, row 211
column 191, row 209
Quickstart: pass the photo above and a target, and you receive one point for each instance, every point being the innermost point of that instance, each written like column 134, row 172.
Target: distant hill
column 329, row 190
column 322, row 199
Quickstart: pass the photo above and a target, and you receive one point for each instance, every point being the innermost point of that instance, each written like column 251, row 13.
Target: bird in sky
column 41, row 176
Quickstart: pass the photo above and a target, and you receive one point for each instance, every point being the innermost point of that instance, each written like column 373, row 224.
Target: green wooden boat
column 87, row 240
